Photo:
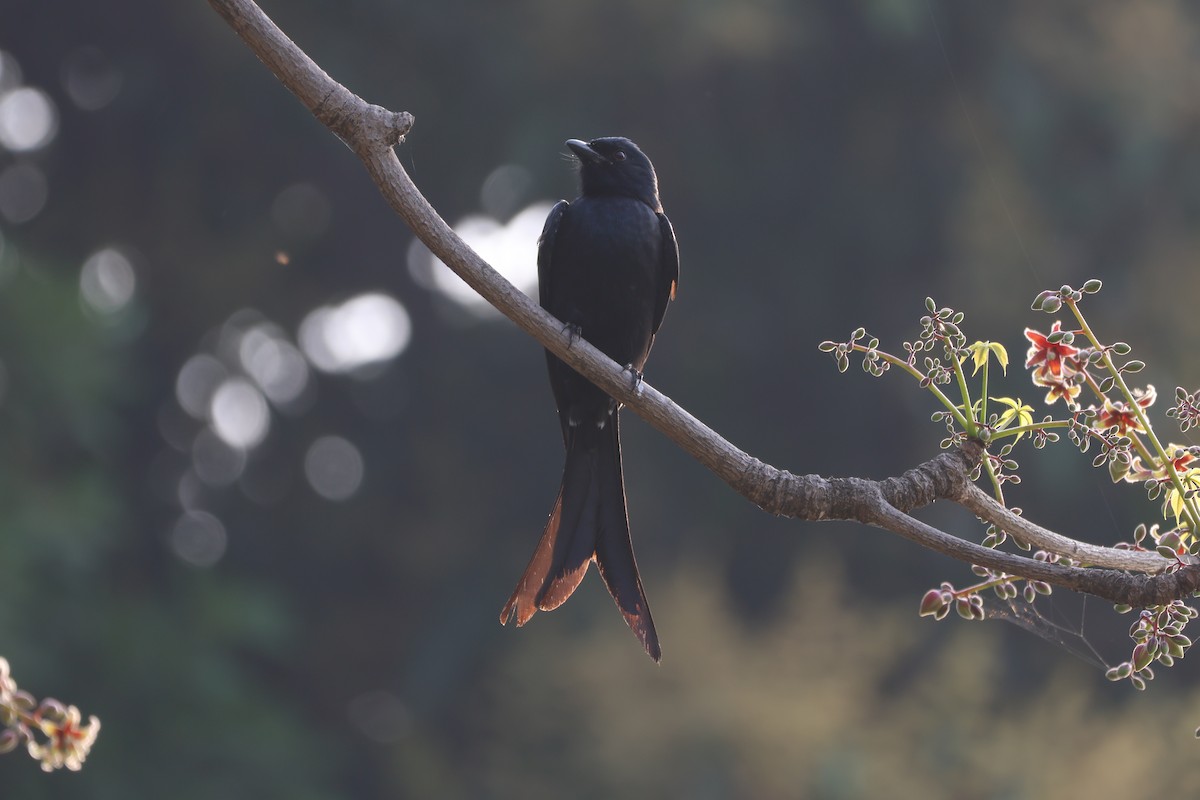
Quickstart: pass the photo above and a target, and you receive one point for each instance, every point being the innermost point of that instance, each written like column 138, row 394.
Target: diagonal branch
column 371, row 132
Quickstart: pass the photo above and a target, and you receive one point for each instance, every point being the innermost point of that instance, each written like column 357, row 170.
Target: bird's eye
column 619, row 155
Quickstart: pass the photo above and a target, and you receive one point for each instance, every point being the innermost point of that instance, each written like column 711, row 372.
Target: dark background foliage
column 826, row 164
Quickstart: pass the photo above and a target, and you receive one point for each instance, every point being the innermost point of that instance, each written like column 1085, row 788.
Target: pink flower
column 1122, row 416
column 1056, row 365
column 1055, row 362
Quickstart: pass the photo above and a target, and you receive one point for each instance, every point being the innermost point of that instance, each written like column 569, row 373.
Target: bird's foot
column 574, row 333
column 636, row 378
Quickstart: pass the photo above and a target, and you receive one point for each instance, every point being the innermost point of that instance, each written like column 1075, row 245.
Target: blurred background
column 267, row 473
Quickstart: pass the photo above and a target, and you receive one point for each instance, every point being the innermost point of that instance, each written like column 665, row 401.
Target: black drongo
column 608, row 265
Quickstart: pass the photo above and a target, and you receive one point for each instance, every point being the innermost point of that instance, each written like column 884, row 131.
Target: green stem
column 970, row 424
column 1030, row 428
column 997, row 490
column 1141, row 448
column 911, row 370
column 983, row 415
column 982, row 587
column 1095, row 387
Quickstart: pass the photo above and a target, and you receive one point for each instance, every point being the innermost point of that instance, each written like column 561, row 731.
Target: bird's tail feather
column 588, row 523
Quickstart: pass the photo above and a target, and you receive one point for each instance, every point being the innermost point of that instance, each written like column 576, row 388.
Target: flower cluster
column 1057, row 364
column 1073, row 365
column 1123, row 416
column 1116, row 421
column 52, row 732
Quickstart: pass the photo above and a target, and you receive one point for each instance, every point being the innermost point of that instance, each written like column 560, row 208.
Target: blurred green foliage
column 826, row 164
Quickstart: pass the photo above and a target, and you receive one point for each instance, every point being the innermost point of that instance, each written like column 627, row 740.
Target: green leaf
column 980, row 352
column 1016, row 411
column 1142, row 656
column 1117, row 470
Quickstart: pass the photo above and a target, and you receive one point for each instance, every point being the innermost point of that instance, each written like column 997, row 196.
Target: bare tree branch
column 982, row 505
column 371, row 132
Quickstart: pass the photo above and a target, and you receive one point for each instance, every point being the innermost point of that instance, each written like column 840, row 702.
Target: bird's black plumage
column 608, row 264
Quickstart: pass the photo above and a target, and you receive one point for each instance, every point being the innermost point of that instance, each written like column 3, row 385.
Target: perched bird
column 608, row 264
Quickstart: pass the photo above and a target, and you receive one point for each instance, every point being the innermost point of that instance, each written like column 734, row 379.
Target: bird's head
column 613, row 165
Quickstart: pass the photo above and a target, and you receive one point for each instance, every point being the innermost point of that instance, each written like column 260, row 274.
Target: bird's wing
column 546, row 249
column 668, row 280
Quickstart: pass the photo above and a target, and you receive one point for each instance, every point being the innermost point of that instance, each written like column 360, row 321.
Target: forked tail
column 588, row 523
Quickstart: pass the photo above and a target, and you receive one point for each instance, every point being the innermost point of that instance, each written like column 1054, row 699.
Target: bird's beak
column 585, row 152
